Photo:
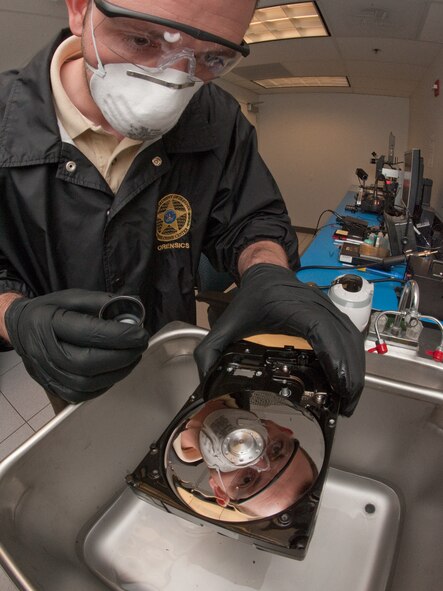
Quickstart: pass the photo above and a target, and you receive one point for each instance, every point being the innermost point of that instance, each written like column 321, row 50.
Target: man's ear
column 220, row 496
column 76, row 12
column 279, row 427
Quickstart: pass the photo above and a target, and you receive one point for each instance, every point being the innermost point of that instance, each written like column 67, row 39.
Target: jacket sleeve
column 12, row 279
column 248, row 207
column 10, row 283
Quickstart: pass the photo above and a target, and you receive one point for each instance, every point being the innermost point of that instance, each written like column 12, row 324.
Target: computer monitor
column 412, row 179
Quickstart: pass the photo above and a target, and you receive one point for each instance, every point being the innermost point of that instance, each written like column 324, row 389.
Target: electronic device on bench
column 368, row 199
column 249, row 451
column 352, row 228
column 428, row 273
column 401, row 233
column 400, row 224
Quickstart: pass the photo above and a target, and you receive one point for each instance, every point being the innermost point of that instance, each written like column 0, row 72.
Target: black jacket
column 202, row 187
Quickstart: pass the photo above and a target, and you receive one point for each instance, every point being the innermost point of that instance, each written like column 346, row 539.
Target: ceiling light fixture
column 304, row 82
column 286, row 21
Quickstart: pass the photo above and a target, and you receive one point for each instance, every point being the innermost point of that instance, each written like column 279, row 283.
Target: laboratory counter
column 324, row 252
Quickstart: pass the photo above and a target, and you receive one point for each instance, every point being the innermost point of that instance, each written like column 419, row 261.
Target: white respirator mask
column 139, row 102
column 138, row 108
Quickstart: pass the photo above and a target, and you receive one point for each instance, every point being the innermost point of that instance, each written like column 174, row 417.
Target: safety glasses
column 245, row 476
column 157, row 43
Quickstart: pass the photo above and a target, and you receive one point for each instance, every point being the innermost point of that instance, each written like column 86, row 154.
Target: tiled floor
column 24, row 407
column 5, row 582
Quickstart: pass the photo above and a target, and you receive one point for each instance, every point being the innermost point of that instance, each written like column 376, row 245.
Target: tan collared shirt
column 109, row 155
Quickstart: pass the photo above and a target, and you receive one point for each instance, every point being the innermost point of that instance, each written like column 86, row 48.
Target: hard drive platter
column 249, row 451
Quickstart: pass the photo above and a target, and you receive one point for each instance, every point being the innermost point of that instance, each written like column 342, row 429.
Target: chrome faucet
column 408, row 334
column 407, row 307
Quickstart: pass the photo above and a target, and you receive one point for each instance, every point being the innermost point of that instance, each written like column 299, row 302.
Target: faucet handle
column 437, row 354
column 380, row 347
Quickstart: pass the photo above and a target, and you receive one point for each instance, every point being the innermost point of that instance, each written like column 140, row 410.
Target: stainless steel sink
column 56, row 487
column 410, row 372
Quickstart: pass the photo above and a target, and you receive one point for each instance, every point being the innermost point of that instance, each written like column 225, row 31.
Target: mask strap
column 100, row 71
column 223, row 487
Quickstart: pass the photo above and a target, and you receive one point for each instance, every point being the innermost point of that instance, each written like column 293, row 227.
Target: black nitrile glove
column 69, row 350
column 271, row 300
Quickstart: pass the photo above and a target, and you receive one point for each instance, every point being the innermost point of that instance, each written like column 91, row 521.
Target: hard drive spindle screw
column 284, row 519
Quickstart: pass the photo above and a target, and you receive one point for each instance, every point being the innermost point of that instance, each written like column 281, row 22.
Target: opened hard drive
column 249, row 451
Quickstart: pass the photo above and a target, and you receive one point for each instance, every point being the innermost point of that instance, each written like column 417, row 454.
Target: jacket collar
column 29, row 133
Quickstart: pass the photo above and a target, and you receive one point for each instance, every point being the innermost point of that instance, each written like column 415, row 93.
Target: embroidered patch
column 173, row 217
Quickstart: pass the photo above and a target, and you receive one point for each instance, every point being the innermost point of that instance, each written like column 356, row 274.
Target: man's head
column 263, row 490
column 227, row 19
column 145, row 59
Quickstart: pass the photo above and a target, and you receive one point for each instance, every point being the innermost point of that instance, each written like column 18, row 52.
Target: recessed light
column 304, row 81
column 286, row 21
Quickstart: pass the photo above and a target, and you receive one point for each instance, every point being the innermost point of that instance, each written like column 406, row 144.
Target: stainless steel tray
column 135, row 546
column 59, row 486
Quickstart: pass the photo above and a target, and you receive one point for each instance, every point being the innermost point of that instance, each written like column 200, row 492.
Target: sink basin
column 407, row 371
column 60, row 489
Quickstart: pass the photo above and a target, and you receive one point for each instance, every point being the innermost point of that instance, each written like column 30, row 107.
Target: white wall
column 426, row 129
column 313, row 143
column 244, row 97
column 25, row 27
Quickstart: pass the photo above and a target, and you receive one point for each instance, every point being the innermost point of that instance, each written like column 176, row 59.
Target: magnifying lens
column 124, row 308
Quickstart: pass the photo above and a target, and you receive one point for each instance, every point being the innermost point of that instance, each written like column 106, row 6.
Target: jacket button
column 118, row 282
column 157, row 161
column 71, row 166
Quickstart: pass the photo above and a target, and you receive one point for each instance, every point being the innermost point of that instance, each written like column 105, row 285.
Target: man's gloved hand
column 69, row 350
column 271, row 300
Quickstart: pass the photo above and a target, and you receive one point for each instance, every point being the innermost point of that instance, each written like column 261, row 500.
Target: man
column 120, row 163
column 277, row 475
column 262, row 494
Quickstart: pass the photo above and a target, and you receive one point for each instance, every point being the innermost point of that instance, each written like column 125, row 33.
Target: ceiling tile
column 390, row 50
column 319, row 48
column 275, row 70
column 316, row 68
column 288, row 68
column 364, row 18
